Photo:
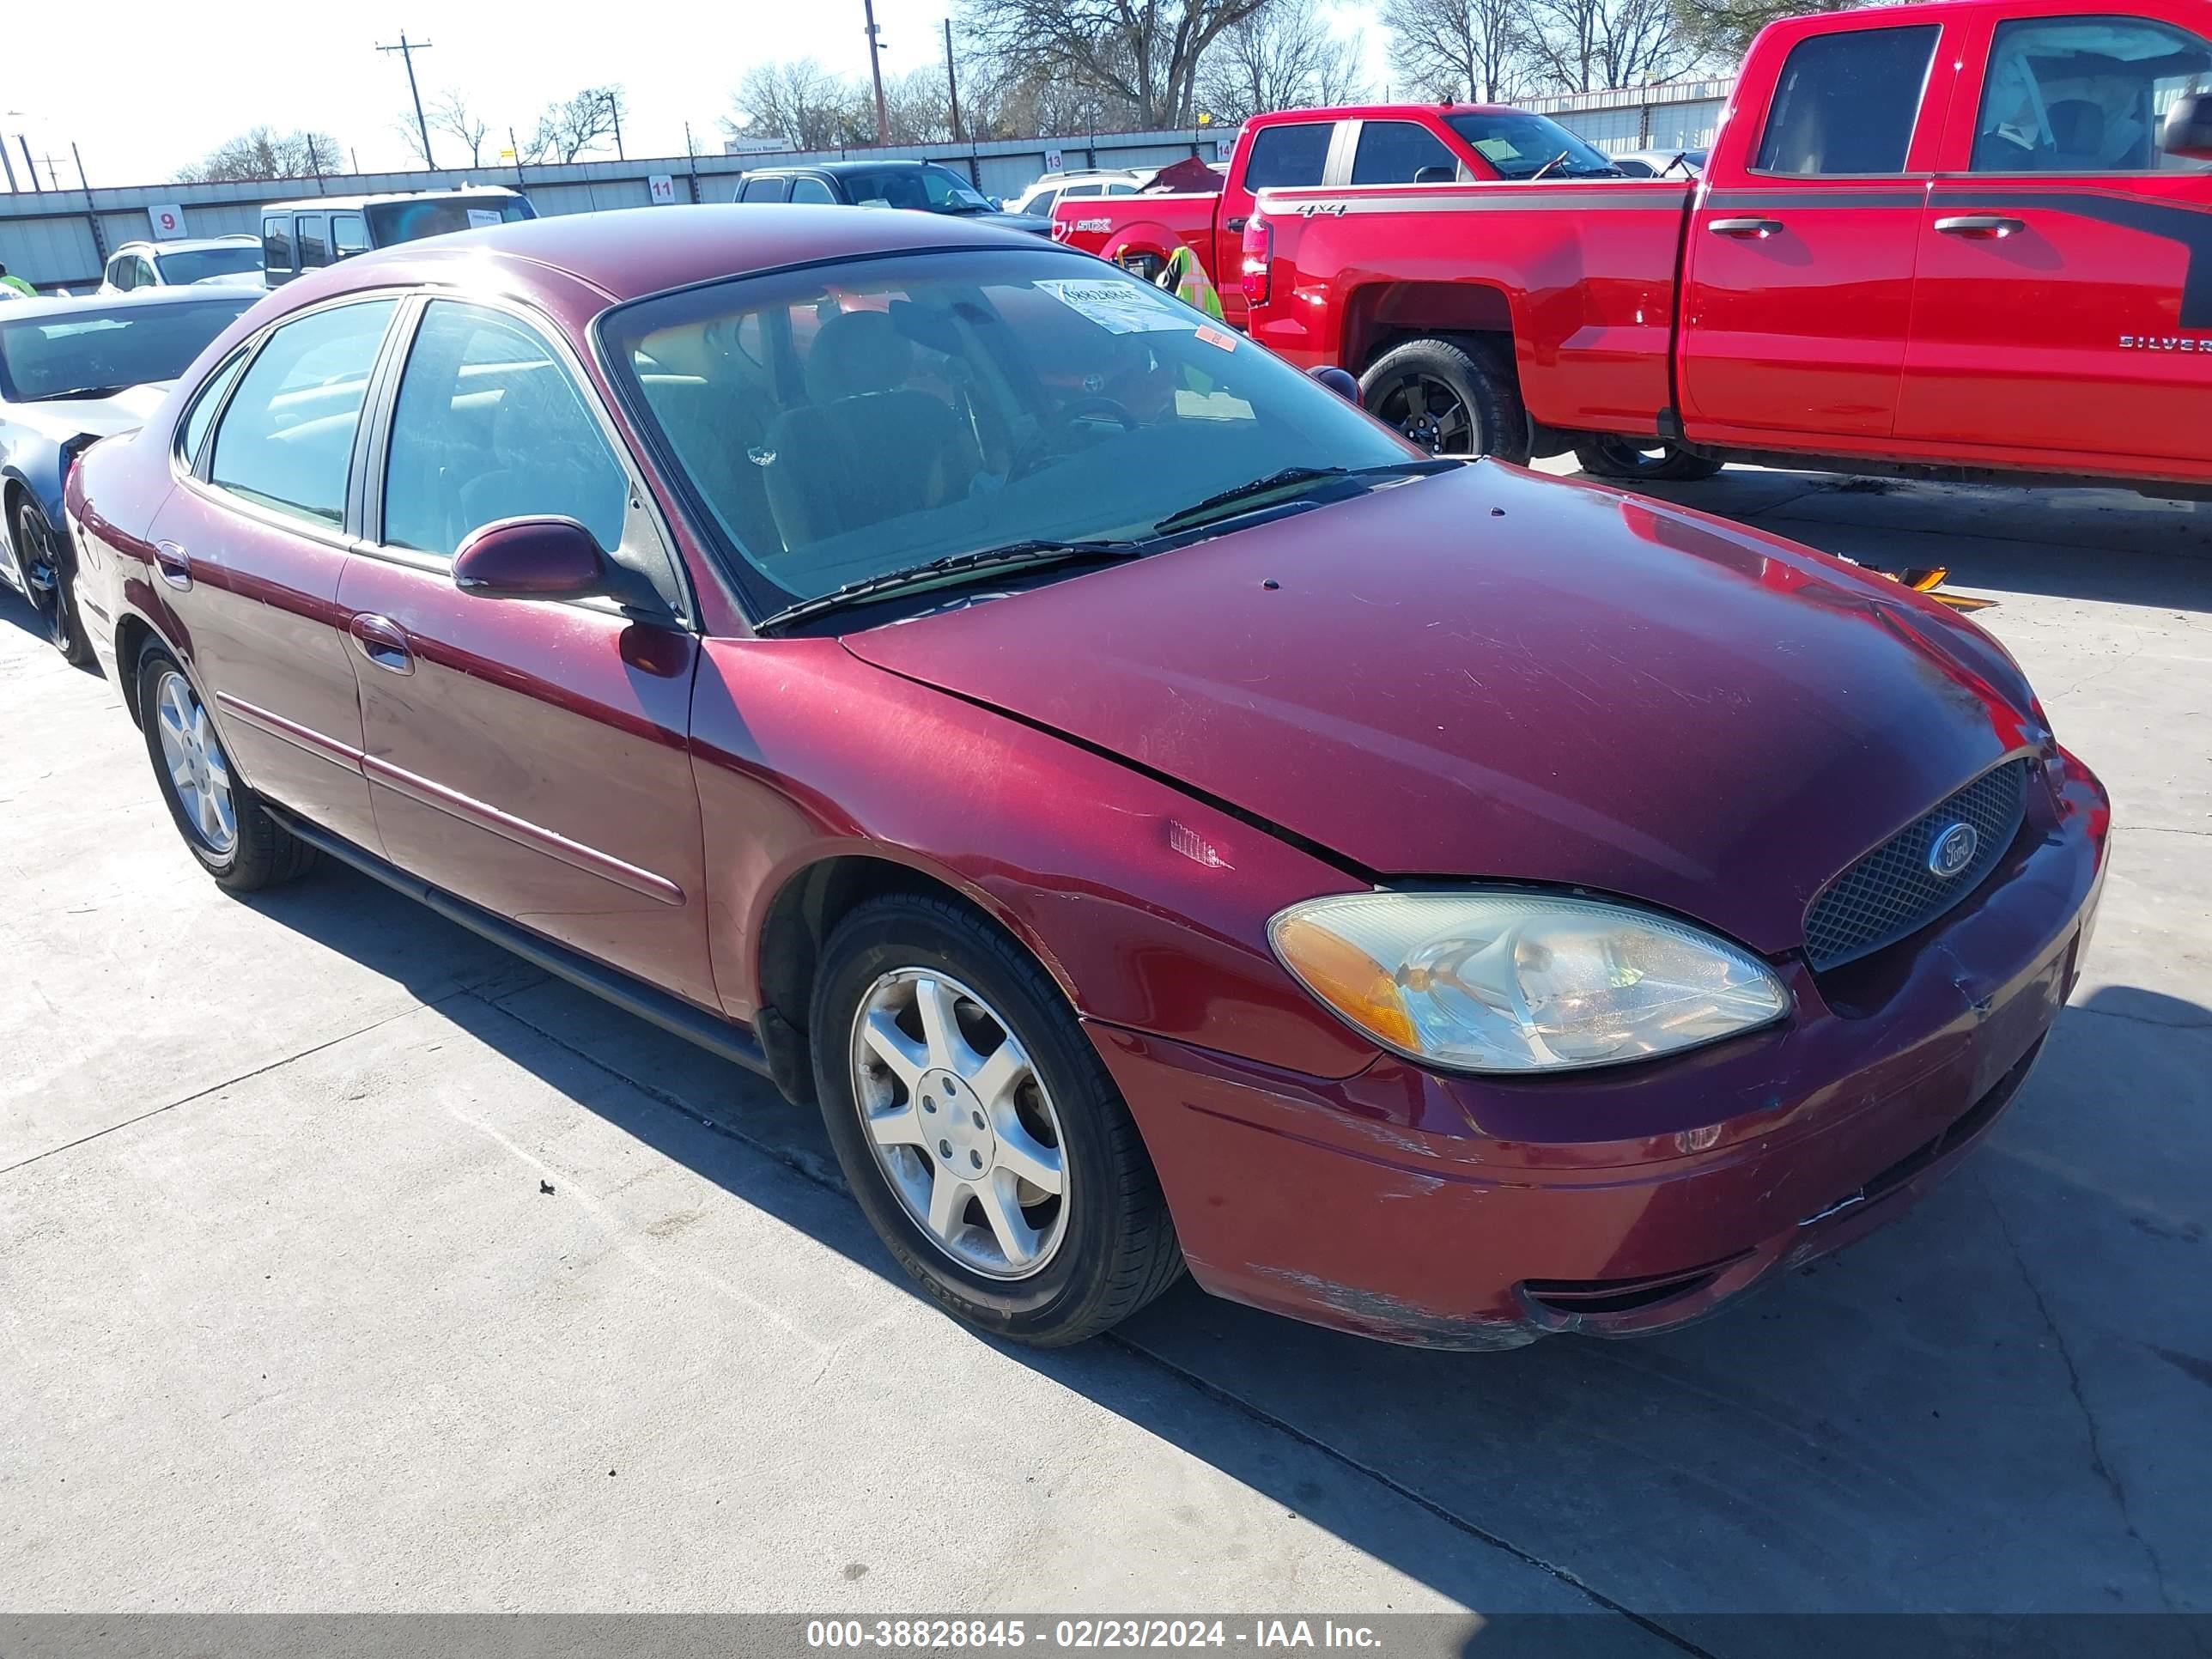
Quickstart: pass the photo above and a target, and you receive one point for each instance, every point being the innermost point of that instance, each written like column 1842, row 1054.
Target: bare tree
column 265, row 153
column 1586, row 45
column 452, row 114
column 1717, row 31
column 919, row 106
column 802, row 102
column 1477, row 49
column 1281, row 56
column 1141, row 53
column 572, row 126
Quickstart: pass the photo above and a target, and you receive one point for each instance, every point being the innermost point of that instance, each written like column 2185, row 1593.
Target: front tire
column 1629, row 460
column 979, row 1133
column 221, row 818
column 1450, row 397
column 42, row 565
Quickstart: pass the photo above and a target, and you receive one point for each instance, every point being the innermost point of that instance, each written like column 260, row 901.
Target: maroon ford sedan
column 1162, row 818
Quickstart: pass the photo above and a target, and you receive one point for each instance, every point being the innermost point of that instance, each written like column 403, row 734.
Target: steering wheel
column 1033, row 453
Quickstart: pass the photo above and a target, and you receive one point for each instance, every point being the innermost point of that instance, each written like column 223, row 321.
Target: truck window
column 1392, row 152
column 764, row 190
column 807, row 188
column 277, row 243
column 2084, row 94
column 315, row 241
column 1290, row 154
column 348, row 235
column 1846, row 102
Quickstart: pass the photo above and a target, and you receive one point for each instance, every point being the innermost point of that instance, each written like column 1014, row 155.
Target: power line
column 407, row 49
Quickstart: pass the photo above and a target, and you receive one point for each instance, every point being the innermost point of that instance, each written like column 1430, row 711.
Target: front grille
column 1892, row 891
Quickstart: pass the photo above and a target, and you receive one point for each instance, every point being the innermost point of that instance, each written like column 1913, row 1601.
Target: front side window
column 811, row 190
column 1521, row 145
column 765, row 190
column 1286, row 156
column 286, row 439
column 349, row 234
column 933, row 189
column 1847, row 102
column 97, row 351
column 439, row 216
column 489, row 426
column 1394, row 152
column 2085, row 94
column 842, row 423
column 122, row 272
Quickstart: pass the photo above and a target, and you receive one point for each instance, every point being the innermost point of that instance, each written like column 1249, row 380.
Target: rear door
column 250, row 550
column 530, row 755
column 2064, row 300
column 1798, row 288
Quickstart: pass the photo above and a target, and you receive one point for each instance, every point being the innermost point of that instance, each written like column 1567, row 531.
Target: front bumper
column 1476, row 1213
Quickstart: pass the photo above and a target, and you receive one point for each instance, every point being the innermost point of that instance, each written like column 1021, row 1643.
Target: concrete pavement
column 290, row 1320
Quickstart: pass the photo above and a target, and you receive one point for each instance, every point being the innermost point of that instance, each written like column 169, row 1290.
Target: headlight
column 1517, row 982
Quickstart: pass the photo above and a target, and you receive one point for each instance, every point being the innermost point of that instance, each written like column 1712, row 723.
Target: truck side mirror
column 2188, row 131
column 1436, row 175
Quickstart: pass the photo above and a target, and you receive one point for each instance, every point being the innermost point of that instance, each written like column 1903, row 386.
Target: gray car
column 73, row 372
column 923, row 186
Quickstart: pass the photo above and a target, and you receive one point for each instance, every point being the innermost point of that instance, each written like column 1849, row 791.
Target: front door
column 2065, row 302
column 250, row 551
column 1798, row 276
column 530, row 756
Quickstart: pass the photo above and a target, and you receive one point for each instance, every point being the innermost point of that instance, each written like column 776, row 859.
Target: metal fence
column 1680, row 115
column 55, row 238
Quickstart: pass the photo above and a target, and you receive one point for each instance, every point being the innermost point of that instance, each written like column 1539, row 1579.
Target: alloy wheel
column 40, row 570
column 960, row 1122
column 1430, row 413
column 199, row 770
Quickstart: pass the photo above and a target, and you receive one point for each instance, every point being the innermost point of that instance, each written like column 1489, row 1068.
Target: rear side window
column 2085, row 94
column 489, row 426
column 286, row 439
column 1846, row 102
column 811, row 190
column 209, row 400
column 764, row 190
column 276, row 242
column 122, row 272
column 314, row 242
column 1288, row 155
column 1393, row 152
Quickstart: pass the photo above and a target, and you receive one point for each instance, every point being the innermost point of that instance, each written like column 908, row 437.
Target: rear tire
column 221, row 818
column 917, row 995
column 1630, row 461
column 44, row 568
column 1451, row 398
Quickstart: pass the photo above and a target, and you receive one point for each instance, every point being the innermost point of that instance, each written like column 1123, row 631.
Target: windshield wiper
column 78, row 393
column 1013, row 555
column 1548, row 165
column 1288, row 479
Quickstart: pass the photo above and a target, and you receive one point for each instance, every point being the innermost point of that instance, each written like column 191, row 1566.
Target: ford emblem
column 1953, row 850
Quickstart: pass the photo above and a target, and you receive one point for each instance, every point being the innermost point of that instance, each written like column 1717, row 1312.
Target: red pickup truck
column 1963, row 239
column 1425, row 144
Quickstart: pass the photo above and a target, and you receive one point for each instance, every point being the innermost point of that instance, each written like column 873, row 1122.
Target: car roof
column 187, row 244
column 191, row 294
column 316, row 204
column 839, row 169
column 628, row 253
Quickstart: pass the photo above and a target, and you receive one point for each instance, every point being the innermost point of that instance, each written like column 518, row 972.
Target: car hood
column 1488, row 674
column 1030, row 221
column 90, row 417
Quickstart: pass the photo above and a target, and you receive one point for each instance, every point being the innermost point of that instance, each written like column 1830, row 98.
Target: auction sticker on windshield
column 1121, row 307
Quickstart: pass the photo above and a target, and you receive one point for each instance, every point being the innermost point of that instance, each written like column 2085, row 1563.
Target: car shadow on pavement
column 1998, row 1403
column 2139, row 550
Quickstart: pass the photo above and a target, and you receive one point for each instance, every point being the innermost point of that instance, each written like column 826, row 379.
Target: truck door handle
column 384, row 642
column 1237, row 223
column 174, row 564
column 1757, row 230
column 1995, row 227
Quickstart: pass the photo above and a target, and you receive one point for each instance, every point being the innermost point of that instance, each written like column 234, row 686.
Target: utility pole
column 951, row 79
column 24, row 143
column 876, row 69
column 614, row 110
column 315, row 161
column 407, row 49
column 515, row 150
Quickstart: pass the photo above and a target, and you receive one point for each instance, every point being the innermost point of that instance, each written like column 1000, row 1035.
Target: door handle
column 174, row 564
column 1991, row 226
column 1236, row 223
column 384, row 642
column 1756, row 230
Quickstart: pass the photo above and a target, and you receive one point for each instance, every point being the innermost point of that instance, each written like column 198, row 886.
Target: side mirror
column 2188, row 131
column 1339, row 381
column 1436, row 175
column 531, row 559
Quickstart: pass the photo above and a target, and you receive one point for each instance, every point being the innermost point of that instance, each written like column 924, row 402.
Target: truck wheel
column 1626, row 459
column 1448, row 398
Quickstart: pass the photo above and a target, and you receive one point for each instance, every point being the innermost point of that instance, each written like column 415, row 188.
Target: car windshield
column 94, row 349
column 839, row 425
column 198, row 264
column 933, row 189
column 1519, row 144
column 435, row 216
